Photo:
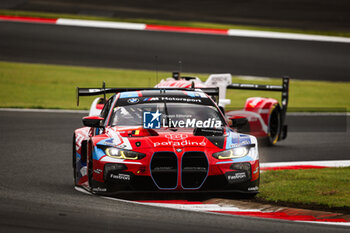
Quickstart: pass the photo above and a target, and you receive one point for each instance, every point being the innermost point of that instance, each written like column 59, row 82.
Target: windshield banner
column 154, row 120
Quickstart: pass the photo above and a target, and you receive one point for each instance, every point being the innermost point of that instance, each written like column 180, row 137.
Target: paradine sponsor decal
column 179, row 143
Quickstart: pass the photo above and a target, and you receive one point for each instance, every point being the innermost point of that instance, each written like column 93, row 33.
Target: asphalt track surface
column 37, row 194
column 52, row 44
column 305, row 14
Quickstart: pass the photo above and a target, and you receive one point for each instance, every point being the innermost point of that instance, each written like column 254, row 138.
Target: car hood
column 134, row 138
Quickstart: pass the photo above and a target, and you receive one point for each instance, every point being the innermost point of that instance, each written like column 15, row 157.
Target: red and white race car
column 266, row 116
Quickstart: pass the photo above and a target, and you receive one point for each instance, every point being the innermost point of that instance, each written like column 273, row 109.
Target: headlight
column 232, row 153
column 123, row 154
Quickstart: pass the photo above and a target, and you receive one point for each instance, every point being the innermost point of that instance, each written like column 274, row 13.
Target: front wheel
column 74, row 161
column 90, row 166
column 250, row 195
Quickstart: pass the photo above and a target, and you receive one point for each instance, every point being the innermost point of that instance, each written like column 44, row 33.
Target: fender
column 257, row 110
column 81, row 135
column 261, row 106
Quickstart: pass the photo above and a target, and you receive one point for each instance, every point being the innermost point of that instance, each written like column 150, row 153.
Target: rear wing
column 211, row 91
column 284, row 88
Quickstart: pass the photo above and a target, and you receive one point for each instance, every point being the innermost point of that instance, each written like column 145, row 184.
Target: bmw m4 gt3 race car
column 174, row 140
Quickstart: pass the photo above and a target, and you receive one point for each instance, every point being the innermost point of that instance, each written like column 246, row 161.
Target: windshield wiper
column 167, row 117
column 166, row 113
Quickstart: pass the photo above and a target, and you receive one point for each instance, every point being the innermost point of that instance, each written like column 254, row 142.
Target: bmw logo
column 178, row 150
column 133, row 101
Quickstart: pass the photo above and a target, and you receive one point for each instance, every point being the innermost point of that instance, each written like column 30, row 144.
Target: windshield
column 184, row 115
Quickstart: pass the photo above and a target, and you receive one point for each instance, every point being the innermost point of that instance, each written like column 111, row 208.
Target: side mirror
column 241, row 124
column 93, row 121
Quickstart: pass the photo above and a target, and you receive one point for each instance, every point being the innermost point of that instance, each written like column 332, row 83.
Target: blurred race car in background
column 266, row 116
column 168, row 139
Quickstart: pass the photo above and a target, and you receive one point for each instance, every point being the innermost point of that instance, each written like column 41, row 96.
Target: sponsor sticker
column 151, row 99
column 181, row 99
column 83, row 171
column 98, row 189
column 242, row 143
column 133, row 100
column 179, row 143
column 176, row 136
column 120, row 176
column 236, row 177
column 98, row 171
column 94, row 90
column 255, row 188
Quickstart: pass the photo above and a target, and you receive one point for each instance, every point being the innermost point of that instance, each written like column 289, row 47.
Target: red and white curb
column 165, row 28
column 241, row 208
column 304, row 165
column 260, row 211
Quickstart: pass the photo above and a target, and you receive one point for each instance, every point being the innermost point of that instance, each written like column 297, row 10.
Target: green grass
column 51, row 86
column 304, row 95
column 170, row 23
column 327, row 187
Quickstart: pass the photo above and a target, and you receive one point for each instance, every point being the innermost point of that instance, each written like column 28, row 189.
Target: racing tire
column 253, row 195
column 274, row 127
column 250, row 195
column 90, row 166
column 74, row 162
